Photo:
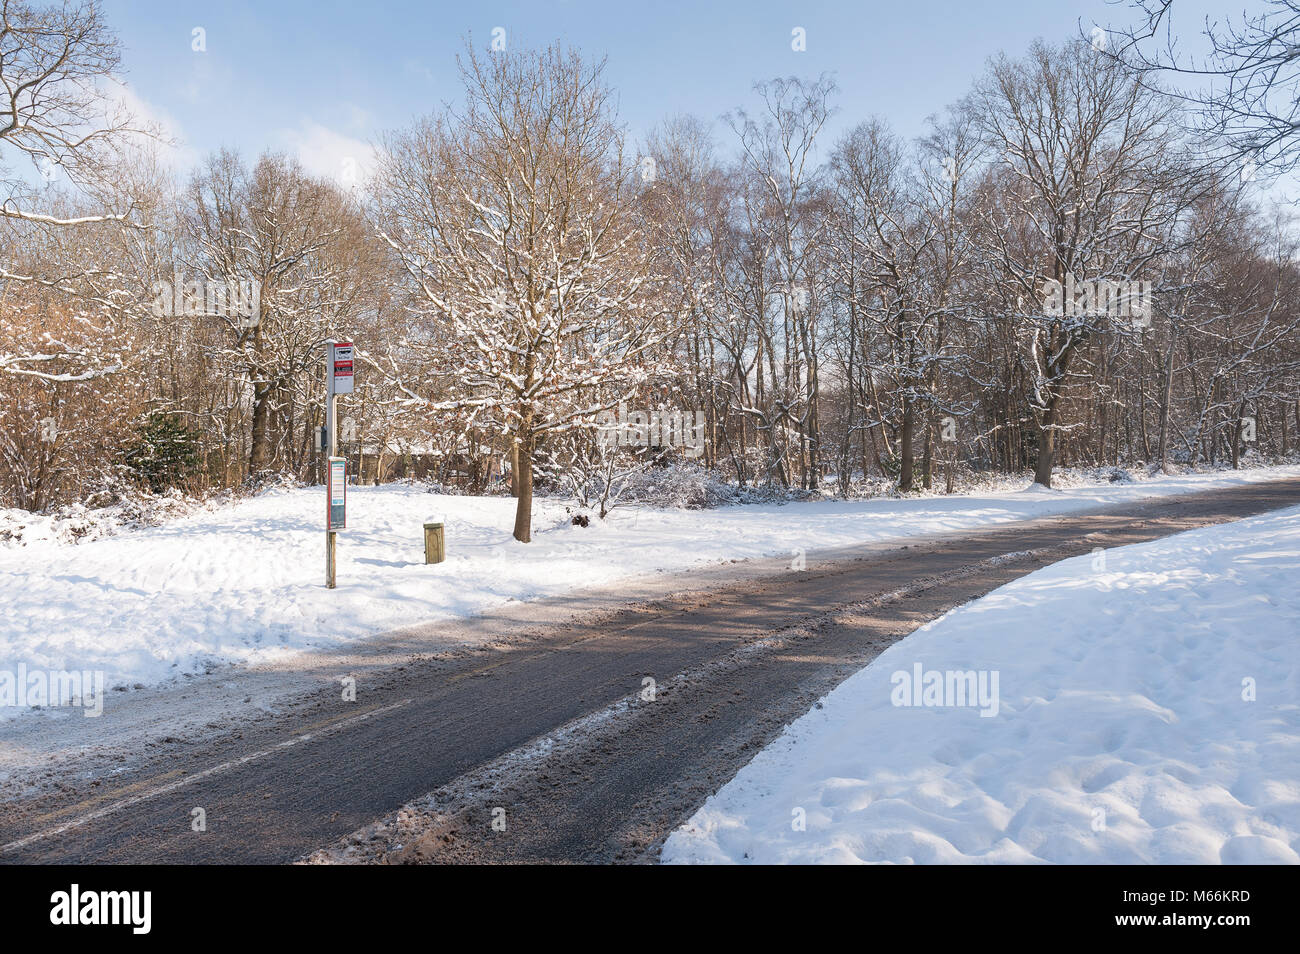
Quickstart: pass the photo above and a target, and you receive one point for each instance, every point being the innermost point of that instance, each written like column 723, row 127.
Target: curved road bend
column 552, row 728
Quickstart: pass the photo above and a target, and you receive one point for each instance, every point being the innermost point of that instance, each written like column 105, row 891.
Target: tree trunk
column 259, row 457
column 524, row 487
column 1166, row 400
column 1236, row 435
column 1286, row 443
column 927, row 456
column 1046, row 445
column 906, row 453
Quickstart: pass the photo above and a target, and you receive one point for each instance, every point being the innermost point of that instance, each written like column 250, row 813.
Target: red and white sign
column 341, row 368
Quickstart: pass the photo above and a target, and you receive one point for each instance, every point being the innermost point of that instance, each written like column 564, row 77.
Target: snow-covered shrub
column 691, row 486
column 451, row 490
column 106, row 512
column 1082, row 476
column 271, row 480
column 683, row 485
column 595, row 471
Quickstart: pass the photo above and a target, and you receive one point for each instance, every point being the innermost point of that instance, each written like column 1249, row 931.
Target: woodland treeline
column 836, row 309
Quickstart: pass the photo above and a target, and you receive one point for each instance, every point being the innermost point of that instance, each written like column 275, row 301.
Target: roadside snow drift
column 1148, row 710
column 245, row 582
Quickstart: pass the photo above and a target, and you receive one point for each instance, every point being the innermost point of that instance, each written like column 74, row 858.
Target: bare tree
column 1089, row 171
column 1246, row 85
column 786, row 227
column 533, row 302
column 56, row 115
column 292, row 247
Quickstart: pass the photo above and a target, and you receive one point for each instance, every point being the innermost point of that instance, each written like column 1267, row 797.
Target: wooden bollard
column 435, row 544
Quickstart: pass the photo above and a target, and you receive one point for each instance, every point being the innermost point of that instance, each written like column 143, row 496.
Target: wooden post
column 330, row 547
column 435, row 544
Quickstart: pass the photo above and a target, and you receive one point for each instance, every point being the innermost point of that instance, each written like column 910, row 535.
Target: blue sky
column 323, row 79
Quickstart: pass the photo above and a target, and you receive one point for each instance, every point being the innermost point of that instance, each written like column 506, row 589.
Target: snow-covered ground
column 243, row 582
column 1148, row 710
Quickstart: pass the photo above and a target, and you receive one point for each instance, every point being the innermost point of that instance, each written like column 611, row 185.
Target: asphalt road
column 549, row 749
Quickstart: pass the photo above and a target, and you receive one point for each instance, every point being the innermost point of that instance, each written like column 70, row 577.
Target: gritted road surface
column 555, row 737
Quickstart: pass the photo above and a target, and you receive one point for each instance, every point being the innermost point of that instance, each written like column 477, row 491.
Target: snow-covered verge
column 82, row 523
column 244, row 582
column 1147, row 711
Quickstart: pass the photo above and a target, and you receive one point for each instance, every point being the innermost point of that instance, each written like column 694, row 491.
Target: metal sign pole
column 339, row 370
column 330, row 535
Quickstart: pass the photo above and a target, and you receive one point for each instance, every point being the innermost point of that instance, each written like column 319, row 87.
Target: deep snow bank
column 1148, row 710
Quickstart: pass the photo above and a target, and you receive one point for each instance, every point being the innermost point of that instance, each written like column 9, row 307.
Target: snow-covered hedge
column 689, row 486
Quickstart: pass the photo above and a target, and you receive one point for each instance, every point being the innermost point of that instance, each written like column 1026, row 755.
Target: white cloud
column 417, row 70
column 330, row 154
column 175, row 151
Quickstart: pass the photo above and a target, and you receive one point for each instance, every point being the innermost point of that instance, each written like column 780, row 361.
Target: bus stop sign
column 338, row 494
column 341, row 368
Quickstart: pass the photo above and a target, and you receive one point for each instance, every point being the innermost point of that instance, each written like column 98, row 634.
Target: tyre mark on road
column 325, row 729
